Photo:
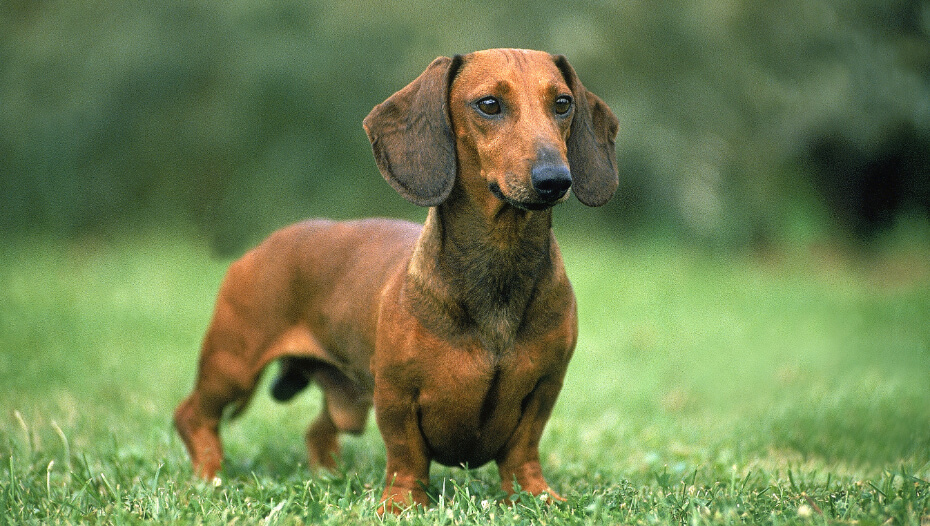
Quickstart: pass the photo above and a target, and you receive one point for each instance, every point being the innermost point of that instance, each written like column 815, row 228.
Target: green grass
column 789, row 388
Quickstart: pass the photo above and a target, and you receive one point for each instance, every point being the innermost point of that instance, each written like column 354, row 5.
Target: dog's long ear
column 591, row 156
column 411, row 136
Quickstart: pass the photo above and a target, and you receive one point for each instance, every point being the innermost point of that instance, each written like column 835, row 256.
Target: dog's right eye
column 489, row 106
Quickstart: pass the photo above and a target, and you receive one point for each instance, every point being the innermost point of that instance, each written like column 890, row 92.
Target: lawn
column 790, row 386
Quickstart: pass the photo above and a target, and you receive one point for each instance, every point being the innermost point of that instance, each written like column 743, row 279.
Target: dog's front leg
column 519, row 460
column 407, row 473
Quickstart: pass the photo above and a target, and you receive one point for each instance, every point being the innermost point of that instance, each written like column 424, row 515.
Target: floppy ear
column 591, row 156
column 412, row 139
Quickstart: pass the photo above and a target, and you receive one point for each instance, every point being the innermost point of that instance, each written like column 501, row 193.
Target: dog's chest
column 467, row 416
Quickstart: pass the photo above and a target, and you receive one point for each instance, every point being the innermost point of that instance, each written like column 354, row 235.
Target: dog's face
column 511, row 113
column 515, row 125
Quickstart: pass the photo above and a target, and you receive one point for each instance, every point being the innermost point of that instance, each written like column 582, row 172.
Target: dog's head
column 517, row 123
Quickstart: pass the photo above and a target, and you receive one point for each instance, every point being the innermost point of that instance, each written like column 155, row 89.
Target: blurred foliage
column 240, row 116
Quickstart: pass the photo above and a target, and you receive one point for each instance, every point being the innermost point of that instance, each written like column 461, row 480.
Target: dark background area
column 742, row 123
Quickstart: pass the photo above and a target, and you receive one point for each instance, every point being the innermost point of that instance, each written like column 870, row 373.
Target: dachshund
column 459, row 331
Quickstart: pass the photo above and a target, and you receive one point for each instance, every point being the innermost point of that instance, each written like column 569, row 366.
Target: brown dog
column 460, row 332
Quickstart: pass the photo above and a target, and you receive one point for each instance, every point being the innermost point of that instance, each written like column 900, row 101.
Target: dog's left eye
column 563, row 104
column 489, row 106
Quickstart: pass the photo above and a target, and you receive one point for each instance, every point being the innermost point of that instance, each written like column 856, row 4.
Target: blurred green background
column 742, row 123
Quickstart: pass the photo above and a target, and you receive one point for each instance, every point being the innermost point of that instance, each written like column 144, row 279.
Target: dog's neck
column 479, row 265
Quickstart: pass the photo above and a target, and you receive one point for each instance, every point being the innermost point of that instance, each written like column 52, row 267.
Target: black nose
column 551, row 180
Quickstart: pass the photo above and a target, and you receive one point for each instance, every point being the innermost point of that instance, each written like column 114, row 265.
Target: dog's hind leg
column 322, row 440
column 223, row 381
column 345, row 409
column 233, row 356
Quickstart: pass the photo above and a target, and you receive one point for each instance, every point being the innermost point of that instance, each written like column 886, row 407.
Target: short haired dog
column 459, row 331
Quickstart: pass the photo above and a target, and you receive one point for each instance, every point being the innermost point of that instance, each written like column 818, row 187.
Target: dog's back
column 318, row 275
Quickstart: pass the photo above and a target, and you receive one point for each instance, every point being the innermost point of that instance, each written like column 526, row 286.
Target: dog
column 459, row 331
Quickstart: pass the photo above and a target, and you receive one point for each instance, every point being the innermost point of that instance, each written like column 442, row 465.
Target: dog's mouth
column 523, row 205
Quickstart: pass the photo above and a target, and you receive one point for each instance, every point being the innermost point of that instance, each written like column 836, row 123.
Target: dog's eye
column 489, row 106
column 563, row 104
